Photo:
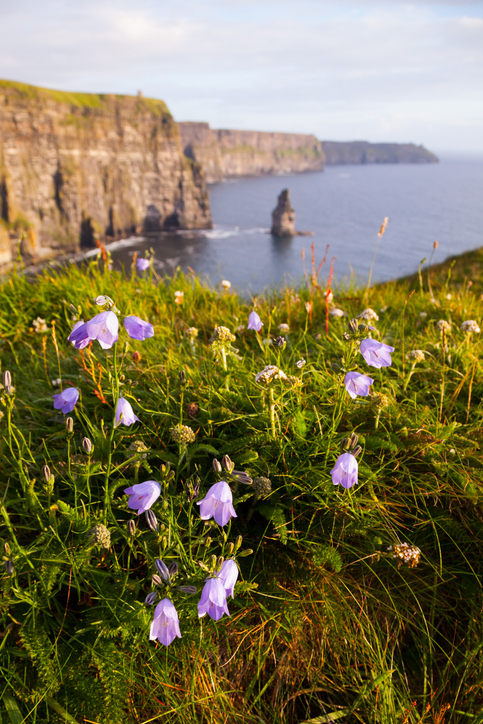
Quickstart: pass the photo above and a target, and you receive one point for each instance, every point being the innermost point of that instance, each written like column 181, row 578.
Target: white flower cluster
column 183, row 434
column 406, row 553
column 443, row 326
column 416, row 355
column 270, row 373
column 470, row 326
column 369, row 315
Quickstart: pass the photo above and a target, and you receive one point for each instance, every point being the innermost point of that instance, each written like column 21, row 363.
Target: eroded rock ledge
column 76, row 167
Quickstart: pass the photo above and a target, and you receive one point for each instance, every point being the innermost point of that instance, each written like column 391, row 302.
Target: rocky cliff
column 363, row 152
column 230, row 153
column 76, row 167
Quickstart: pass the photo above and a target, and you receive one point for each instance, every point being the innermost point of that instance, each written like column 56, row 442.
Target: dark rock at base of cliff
column 283, row 216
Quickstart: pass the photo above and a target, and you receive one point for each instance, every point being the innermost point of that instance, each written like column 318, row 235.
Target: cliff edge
column 357, row 152
column 227, row 153
column 79, row 167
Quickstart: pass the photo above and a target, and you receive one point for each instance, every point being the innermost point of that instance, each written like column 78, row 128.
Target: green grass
column 325, row 625
column 80, row 100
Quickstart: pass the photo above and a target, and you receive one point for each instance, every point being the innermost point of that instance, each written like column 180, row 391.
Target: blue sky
column 381, row 70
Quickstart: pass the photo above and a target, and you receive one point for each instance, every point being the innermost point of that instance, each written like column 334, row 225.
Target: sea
column 344, row 207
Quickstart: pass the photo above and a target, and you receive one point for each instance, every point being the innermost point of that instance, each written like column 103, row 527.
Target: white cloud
column 351, row 70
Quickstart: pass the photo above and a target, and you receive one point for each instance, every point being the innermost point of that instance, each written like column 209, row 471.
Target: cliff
column 357, row 152
column 76, row 167
column 229, row 153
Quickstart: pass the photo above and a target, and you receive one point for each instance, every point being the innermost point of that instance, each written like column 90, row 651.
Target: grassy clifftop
column 79, row 100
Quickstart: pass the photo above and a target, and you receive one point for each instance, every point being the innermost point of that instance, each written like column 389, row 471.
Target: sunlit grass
column 326, row 625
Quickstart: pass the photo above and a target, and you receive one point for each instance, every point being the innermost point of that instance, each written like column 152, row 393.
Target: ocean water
column 344, row 206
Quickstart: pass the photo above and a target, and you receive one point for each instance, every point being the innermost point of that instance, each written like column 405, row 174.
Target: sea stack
column 283, row 216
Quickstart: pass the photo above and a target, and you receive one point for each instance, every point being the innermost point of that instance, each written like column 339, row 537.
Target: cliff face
column 229, row 153
column 76, row 167
column 363, row 152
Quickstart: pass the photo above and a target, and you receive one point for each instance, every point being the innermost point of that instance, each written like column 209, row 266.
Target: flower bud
column 9, row 567
column 357, row 451
column 238, row 542
column 131, row 527
column 346, row 336
column 242, row 477
column 212, row 561
column 156, row 580
column 227, row 464
column 6, row 548
column 151, row 519
column 216, row 466
column 208, row 542
column 353, row 326
column 182, row 377
column 230, row 548
column 47, row 475
column 219, row 562
column 344, row 444
column 151, row 598
column 86, row 445
column 7, row 380
column 162, row 570
column 187, row 589
column 164, row 542
column 353, row 440
column 173, row 568
column 69, row 425
column 280, row 342
column 243, row 554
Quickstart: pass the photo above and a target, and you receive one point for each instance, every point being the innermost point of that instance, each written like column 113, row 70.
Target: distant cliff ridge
column 357, row 152
column 75, row 167
column 229, row 153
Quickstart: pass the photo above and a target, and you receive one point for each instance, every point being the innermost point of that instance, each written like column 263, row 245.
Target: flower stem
column 272, row 412
column 113, row 429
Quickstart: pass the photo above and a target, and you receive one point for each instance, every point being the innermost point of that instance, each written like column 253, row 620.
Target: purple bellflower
column 165, row 625
column 376, row 354
column 143, row 495
column 67, row 399
column 345, row 470
column 143, row 264
column 357, row 384
column 138, row 328
column 125, row 413
column 218, row 504
column 104, row 327
column 228, row 576
column 213, row 599
column 254, row 322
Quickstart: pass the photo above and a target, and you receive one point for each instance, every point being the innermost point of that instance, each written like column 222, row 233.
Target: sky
column 382, row 70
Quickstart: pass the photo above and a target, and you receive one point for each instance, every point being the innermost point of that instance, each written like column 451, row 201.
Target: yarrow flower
column 470, row 326
column 284, row 328
column 345, row 471
column 406, row 553
column 270, row 373
column 165, row 625
column 218, row 504
column 182, row 434
column 143, row 495
column 337, row 313
column 377, row 354
column 213, row 599
column 254, row 322
column 229, row 575
column 443, row 326
column 368, row 315
column 40, row 325
column 142, row 264
column 225, row 284
column 416, row 355
column 104, row 327
column 138, row 328
column 66, row 400
column 125, row 413
column 357, row 384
